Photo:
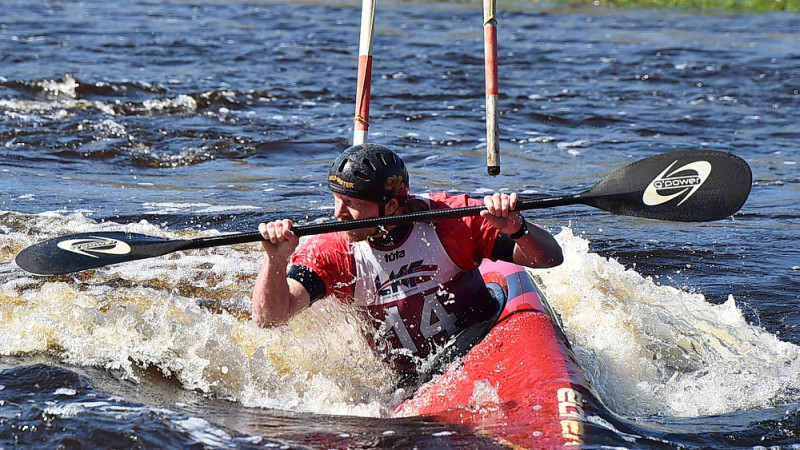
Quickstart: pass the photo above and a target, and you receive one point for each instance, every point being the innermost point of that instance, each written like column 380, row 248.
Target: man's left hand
column 500, row 212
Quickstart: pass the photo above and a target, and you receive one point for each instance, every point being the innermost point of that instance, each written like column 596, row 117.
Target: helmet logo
column 394, row 182
column 338, row 180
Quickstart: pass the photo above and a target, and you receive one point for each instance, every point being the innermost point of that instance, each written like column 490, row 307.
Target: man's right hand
column 279, row 239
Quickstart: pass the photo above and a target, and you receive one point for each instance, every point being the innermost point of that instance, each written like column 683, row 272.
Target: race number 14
column 433, row 320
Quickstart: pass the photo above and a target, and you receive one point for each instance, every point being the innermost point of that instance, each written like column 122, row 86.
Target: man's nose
column 338, row 209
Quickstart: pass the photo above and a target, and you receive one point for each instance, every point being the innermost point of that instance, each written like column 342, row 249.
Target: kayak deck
column 521, row 383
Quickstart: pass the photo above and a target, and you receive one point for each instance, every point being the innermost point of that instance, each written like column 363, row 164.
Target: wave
column 655, row 350
column 648, row 349
column 141, row 125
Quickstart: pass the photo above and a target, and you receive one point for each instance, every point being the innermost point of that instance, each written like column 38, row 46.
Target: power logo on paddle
column 95, row 244
column 672, row 183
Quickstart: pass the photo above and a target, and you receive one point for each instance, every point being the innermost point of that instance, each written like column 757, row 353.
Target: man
column 419, row 283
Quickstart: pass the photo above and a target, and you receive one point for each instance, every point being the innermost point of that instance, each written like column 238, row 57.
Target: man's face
column 351, row 208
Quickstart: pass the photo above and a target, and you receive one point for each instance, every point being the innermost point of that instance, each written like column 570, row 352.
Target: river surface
column 183, row 119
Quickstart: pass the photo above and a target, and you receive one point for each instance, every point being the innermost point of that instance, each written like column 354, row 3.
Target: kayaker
column 419, row 283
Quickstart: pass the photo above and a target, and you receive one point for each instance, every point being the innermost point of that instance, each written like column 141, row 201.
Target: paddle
column 686, row 186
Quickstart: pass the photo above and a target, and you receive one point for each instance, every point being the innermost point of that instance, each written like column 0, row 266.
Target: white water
column 647, row 349
column 657, row 350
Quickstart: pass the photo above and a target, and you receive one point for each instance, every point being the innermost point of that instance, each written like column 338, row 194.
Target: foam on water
column 648, row 349
column 187, row 315
column 197, row 208
column 651, row 349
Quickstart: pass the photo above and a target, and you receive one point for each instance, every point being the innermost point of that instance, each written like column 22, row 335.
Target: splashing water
column 651, row 349
column 187, row 316
column 648, row 349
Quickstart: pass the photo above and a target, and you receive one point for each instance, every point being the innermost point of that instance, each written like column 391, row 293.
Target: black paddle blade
column 683, row 186
column 83, row 251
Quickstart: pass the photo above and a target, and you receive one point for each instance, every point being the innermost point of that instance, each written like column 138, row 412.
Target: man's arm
column 537, row 248
column 276, row 299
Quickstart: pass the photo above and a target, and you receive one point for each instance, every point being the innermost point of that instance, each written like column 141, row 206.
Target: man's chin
column 353, row 236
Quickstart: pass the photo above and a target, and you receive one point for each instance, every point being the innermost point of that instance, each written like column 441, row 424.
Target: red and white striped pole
column 361, row 120
column 490, row 58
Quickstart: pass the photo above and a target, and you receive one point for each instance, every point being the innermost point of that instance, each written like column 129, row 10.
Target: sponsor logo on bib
column 407, row 276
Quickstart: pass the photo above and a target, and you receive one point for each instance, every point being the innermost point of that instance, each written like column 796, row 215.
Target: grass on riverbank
column 726, row 5
column 702, row 6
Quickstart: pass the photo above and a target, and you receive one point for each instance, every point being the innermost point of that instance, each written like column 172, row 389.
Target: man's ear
column 391, row 207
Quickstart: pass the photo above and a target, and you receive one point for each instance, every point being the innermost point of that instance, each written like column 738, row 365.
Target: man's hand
column 279, row 239
column 500, row 212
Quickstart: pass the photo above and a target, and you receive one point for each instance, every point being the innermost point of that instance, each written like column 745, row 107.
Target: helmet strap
column 382, row 206
column 381, row 213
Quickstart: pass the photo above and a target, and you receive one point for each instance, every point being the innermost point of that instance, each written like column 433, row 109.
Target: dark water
column 185, row 119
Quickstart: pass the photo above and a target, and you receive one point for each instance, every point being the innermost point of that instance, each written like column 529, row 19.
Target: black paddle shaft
column 686, row 186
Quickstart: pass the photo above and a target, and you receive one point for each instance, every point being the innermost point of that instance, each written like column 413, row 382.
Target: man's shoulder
column 326, row 239
column 327, row 243
column 441, row 200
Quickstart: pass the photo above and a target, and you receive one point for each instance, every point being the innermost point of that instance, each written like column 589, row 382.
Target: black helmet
column 369, row 172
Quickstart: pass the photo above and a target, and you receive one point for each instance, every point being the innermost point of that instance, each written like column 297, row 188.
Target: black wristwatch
column 523, row 230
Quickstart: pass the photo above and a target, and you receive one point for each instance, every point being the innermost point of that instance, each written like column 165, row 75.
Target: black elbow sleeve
column 503, row 248
column 309, row 279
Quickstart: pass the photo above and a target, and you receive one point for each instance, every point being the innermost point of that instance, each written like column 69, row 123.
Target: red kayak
column 521, row 383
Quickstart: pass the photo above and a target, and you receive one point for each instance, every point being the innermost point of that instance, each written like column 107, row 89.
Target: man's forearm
column 275, row 299
column 538, row 248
